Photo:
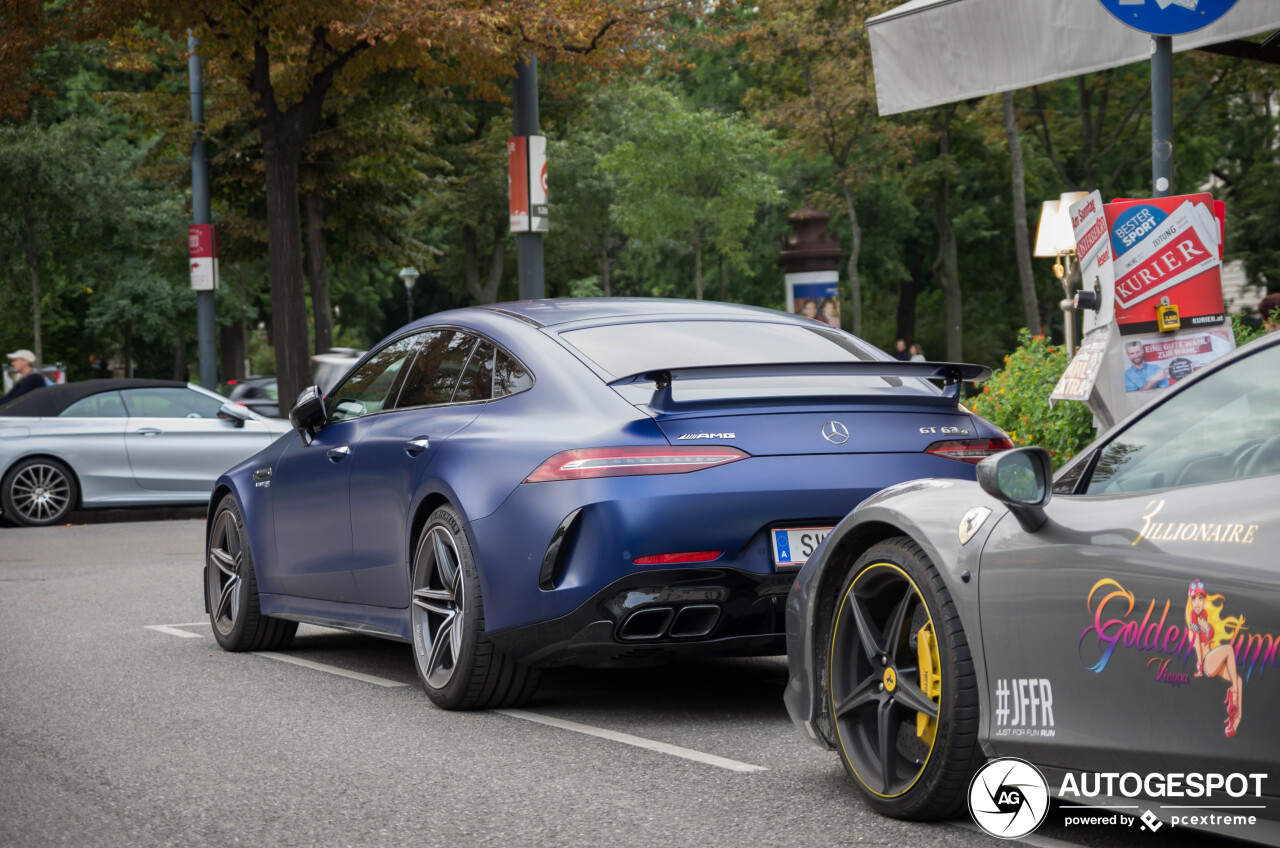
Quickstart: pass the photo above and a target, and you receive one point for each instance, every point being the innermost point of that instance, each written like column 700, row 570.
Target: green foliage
column 1016, row 399
column 1245, row 332
column 694, row 177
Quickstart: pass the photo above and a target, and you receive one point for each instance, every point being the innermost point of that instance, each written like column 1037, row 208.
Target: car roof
column 52, row 400
column 610, row 310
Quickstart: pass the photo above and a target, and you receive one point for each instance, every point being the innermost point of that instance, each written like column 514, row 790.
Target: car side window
column 170, row 403
column 1225, row 427
column 101, row 405
column 509, row 376
column 435, row 372
column 476, row 380
column 365, row 391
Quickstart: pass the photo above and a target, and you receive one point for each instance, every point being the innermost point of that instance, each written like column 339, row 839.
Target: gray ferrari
column 1105, row 625
column 116, row 443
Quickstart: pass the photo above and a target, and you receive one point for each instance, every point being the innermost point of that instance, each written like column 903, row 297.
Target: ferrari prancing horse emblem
column 972, row 520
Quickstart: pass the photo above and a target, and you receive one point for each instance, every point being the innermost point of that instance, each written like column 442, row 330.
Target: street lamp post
column 1056, row 238
column 410, row 276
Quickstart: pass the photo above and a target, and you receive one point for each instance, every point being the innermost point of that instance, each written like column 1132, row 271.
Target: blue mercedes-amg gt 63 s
column 573, row 482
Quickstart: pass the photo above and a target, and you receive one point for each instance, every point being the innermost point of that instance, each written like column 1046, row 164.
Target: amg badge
column 706, row 436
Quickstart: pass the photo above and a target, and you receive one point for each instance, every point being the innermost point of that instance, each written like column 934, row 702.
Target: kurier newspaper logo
column 1008, row 798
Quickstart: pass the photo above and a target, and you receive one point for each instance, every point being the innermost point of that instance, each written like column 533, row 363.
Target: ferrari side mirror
column 308, row 415
column 1021, row 479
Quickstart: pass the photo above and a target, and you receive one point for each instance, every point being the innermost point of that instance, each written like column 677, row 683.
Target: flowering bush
column 1016, row 399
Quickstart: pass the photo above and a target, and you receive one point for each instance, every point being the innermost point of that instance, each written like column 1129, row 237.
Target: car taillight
column 971, row 451
column 627, row 462
column 688, row 556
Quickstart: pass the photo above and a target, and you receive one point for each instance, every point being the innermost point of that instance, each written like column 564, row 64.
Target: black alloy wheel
column 901, row 687
column 231, row 588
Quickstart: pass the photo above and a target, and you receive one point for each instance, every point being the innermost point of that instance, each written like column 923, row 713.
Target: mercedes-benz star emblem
column 835, row 432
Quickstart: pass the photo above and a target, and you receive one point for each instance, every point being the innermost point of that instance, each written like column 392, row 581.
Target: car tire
column 901, row 689
column 458, row 666
column 231, row 588
column 38, row 491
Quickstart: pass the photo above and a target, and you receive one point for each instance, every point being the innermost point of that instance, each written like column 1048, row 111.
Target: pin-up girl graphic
column 1215, row 657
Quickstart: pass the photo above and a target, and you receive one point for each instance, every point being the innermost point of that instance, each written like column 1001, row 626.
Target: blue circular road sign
column 1167, row 17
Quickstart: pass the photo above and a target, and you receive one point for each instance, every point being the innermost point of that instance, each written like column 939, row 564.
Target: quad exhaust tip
column 687, row 622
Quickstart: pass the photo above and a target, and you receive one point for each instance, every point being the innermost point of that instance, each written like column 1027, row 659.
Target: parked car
column 115, row 443
column 328, row 367
column 258, row 393
column 1093, row 622
column 572, row 482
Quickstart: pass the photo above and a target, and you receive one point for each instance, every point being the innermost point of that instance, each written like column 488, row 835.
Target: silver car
column 116, row 443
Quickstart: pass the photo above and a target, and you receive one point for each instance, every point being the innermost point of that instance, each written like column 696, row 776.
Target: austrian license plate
column 792, row 546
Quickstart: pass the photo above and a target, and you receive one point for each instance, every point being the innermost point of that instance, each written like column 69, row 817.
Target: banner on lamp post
column 202, row 250
column 527, row 183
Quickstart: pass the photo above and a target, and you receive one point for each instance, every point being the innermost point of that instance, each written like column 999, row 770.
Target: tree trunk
column 1027, row 281
column 487, row 291
column 604, row 266
column 288, row 304
column 697, row 263
column 855, row 251
column 318, row 273
column 724, row 289
column 907, row 291
column 128, row 348
column 33, row 262
column 946, row 268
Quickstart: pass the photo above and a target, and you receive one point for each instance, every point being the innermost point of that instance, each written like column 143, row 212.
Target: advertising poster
column 1093, row 247
column 539, row 218
column 1167, row 247
column 518, row 182
column 815, row 294
column 1161, row 360
column 1077, row 381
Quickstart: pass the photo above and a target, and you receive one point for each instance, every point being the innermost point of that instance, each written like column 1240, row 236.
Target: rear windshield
column 623, row 349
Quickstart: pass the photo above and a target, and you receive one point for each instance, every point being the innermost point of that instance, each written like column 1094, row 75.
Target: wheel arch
column 79, row 501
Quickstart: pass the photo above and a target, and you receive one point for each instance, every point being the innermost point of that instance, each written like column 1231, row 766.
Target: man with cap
column 28, row 379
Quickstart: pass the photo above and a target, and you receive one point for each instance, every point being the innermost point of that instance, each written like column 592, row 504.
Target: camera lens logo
column 1008, row 798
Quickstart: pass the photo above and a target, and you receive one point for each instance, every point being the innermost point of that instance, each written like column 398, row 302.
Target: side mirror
column 235, row 412
column 1021, row 479
column 308, row 413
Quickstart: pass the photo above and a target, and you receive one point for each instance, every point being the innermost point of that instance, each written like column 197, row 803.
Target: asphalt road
column 114, row 732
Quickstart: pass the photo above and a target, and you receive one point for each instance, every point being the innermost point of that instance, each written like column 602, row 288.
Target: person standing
column 902, row 354
column 917, row 353
column 28, row 379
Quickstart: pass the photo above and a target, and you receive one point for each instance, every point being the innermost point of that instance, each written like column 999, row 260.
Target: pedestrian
column 902, row 354
column 26, row 377
column 917, row 353
column 1268, row 309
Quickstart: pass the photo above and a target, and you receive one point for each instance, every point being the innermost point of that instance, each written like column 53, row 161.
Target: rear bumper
column 619, row 520
column 657, row 616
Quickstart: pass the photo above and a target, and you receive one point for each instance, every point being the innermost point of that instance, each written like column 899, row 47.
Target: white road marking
column 330, row 669
column 1030, row 839
column 172, row 630
column 637, row 741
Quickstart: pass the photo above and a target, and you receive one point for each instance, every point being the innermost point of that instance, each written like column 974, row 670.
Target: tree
column 692, row 176
column 288, row 57
column 819, row 91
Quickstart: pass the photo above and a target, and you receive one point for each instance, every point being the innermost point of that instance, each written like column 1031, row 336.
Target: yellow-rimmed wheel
column 902, row 694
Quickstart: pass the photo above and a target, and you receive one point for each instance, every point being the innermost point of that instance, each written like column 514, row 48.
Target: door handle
column 339, row 453
column 414, row 447
column 148, row 431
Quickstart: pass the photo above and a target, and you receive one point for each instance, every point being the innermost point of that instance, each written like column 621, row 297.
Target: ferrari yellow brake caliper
column 930, row 680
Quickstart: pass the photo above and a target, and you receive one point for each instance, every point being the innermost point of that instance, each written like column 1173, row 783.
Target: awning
column 930, row 52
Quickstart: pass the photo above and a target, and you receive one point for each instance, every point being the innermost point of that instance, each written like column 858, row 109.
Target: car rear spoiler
column 950, row 373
